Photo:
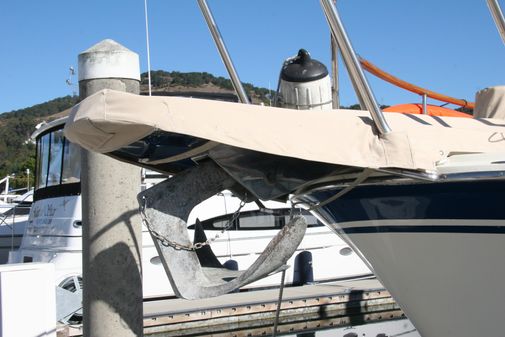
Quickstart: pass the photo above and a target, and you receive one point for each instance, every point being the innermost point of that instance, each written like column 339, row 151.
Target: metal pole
column 425, row 104
column 335, row 90
column 279, row 302
column 148, row 48
column 12, row 231
column 112, row 231
column 497, row 14
column 216, row 35
column 6, row 191
column 364, row 92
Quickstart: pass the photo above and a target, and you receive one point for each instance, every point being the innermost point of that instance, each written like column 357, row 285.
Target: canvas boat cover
column 109, row 120
column 490, row 103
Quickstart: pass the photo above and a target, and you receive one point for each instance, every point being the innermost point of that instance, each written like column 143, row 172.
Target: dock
column 252, row 313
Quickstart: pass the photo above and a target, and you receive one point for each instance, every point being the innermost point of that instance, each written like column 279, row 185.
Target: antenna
column 147, row 45
column 69, row 80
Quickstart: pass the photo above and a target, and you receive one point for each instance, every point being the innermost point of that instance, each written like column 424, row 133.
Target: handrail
column 335, row 93
column 358, row 79
column 497, row 14
column 218, row 39
column 374, row 70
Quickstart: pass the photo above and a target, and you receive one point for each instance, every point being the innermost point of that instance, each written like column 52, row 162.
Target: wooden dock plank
column 252, row 313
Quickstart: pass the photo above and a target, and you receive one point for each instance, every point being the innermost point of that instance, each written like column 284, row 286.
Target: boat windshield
column 58, row 160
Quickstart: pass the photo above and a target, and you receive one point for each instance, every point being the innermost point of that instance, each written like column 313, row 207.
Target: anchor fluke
column 167, row 205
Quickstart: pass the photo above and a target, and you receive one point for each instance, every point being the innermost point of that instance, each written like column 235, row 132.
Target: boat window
column 71, row 163
column 256, row 220
column 311, row 220
column 55, row 158
column 218, row 223
column 43, row 160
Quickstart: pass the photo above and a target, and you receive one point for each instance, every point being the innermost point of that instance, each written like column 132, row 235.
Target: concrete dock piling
column 112, row 232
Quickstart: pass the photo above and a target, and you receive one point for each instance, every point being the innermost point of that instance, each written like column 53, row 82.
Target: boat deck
column 252, row 313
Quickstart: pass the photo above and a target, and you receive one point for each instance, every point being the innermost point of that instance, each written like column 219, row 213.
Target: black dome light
column 302, row 68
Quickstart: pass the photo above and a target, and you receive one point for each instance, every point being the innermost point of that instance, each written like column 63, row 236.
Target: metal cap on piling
column 108, row 59
column 108, row 65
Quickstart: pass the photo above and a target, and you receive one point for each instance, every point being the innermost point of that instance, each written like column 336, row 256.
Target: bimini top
column 111, row 120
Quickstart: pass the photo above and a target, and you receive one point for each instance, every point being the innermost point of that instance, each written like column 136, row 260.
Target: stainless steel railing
column 497, row 14
column 364, row 92
column 216, row 35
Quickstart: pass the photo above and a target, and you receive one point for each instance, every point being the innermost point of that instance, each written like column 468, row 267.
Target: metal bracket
column 167, row 206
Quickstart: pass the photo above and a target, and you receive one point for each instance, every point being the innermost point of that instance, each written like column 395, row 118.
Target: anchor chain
column 194, row 246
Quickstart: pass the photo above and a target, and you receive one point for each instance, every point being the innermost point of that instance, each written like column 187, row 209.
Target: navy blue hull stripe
column 478, row 200
column 425, row 229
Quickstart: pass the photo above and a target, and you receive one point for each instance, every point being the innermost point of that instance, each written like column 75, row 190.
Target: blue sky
column 451, row 46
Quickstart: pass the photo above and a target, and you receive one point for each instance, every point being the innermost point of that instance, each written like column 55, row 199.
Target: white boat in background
column 54, row 228
column 14, row 210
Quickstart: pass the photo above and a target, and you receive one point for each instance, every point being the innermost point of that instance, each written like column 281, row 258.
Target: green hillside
column 163, row 81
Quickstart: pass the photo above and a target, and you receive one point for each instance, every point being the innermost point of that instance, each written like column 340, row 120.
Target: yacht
column 418, row 197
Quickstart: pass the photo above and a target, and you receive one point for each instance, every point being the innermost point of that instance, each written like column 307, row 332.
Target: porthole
column 346, row 251
column 156, row 260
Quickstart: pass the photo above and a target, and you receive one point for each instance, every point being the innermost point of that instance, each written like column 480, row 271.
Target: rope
column 362, row 177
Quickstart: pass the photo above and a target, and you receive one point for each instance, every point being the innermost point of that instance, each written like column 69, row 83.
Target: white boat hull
column 443, row 281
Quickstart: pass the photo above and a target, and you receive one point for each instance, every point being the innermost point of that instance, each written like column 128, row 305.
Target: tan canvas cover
column 490, row 103
column 110, row 120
